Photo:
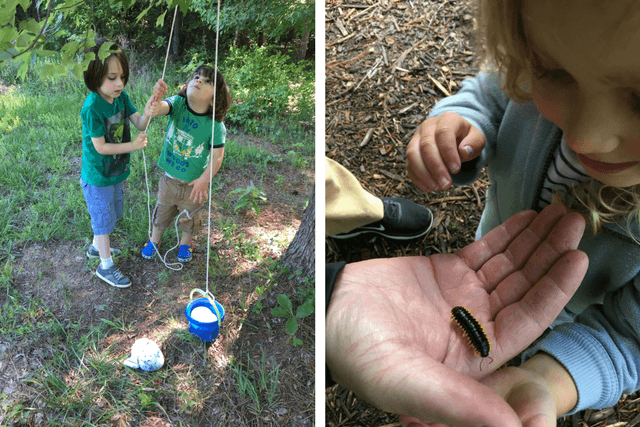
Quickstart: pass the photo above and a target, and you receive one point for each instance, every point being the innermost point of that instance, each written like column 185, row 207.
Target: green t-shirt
column 100, row 118
column 186, row 150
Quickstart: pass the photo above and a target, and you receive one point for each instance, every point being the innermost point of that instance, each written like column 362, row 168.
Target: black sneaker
column 403, row 220
column 113, row 276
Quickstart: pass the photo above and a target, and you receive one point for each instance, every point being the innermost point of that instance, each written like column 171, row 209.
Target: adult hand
column 389, row 336
column 439, row 147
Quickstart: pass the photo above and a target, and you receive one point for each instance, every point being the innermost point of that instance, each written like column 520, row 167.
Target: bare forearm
column 214, row 165
column 114, row 149
column 141, row 122
column 208, row 173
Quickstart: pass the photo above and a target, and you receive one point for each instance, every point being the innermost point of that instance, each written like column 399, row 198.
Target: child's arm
column 154, row 107
column 546, row 372
column 456, row 132
column 200, row 191
column 108, row 149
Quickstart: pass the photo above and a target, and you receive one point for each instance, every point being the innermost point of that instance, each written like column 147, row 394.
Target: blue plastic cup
column 207, row 332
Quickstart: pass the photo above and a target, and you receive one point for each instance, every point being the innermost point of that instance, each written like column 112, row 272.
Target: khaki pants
column 173, row 198
column 347, row 204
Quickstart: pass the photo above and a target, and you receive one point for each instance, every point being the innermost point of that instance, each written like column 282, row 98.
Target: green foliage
column 249, row 198
column 265, row 83
column 70, row 27
column 274, row 19
column 304, row 309
column 62, row 32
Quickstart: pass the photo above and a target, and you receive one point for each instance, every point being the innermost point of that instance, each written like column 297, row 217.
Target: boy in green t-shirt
column 188, row 157
column 106, row 115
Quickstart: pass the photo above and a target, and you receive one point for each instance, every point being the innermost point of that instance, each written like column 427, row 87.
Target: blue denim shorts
column 105, row 204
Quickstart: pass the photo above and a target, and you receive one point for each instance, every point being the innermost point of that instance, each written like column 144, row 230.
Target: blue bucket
column 207, row 332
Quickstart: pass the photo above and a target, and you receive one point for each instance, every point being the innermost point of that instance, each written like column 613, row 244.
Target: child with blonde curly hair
column 556, row 117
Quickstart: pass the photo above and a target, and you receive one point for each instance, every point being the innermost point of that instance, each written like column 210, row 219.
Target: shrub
column 265, row 83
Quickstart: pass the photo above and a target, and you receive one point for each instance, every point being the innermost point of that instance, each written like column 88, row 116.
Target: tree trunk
column 241, row 39
column 262, row 39
column 302, row 52
column 175, row 44
column 301, row 253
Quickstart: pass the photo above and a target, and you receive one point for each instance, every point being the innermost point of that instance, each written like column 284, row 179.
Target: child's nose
column 595, row 126
column 584, row 144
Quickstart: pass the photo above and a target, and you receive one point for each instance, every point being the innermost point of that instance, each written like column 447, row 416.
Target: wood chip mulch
column 387, row 63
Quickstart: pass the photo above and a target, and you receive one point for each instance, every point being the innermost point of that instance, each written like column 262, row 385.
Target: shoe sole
column 112, row 283
column 184, row 259
column 388, row 236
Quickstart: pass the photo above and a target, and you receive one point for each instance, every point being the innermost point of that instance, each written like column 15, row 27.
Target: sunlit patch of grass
column 11, row 102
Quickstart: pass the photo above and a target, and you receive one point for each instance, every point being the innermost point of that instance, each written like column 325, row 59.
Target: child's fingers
column 438, row 147
column 471, row 146
column 416, row 169
column 433, row 161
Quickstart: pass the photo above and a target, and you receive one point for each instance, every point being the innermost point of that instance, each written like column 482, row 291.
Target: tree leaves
column 105, row 51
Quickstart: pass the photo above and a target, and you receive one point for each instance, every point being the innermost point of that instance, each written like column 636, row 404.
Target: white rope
column 146, row 178
column 213, row 124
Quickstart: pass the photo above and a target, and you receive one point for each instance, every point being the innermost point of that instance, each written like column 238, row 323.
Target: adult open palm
column 389, row 335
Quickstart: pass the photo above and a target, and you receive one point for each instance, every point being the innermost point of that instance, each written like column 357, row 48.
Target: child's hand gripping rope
column 140, row 141
column 159, row 91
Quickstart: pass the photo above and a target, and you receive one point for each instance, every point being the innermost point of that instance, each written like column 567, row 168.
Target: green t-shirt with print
column 186, row 150
column 101, row 118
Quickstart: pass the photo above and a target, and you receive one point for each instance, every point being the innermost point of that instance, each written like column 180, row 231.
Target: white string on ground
column 164, row 258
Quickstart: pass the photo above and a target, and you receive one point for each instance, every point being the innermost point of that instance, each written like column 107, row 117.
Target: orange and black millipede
column 472, row 329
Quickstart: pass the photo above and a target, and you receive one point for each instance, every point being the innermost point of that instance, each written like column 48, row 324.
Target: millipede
column 472, row 329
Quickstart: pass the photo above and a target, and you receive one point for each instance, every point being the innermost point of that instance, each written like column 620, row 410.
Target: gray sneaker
column 113, row 276
column 93, row 252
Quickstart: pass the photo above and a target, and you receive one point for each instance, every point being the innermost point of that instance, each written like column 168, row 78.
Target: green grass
column 256, row 380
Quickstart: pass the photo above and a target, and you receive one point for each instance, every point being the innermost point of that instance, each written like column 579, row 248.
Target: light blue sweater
column 597, row 337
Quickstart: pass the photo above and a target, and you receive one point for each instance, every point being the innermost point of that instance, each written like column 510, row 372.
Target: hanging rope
column 146, row 178
column 213, row 124
column 144, row 158
column 206, row 292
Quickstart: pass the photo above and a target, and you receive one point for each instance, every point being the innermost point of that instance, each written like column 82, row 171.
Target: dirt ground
column 62, row 276
column 387, row 63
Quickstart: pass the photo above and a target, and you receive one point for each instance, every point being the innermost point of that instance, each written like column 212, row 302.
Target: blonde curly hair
column 503, row 47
